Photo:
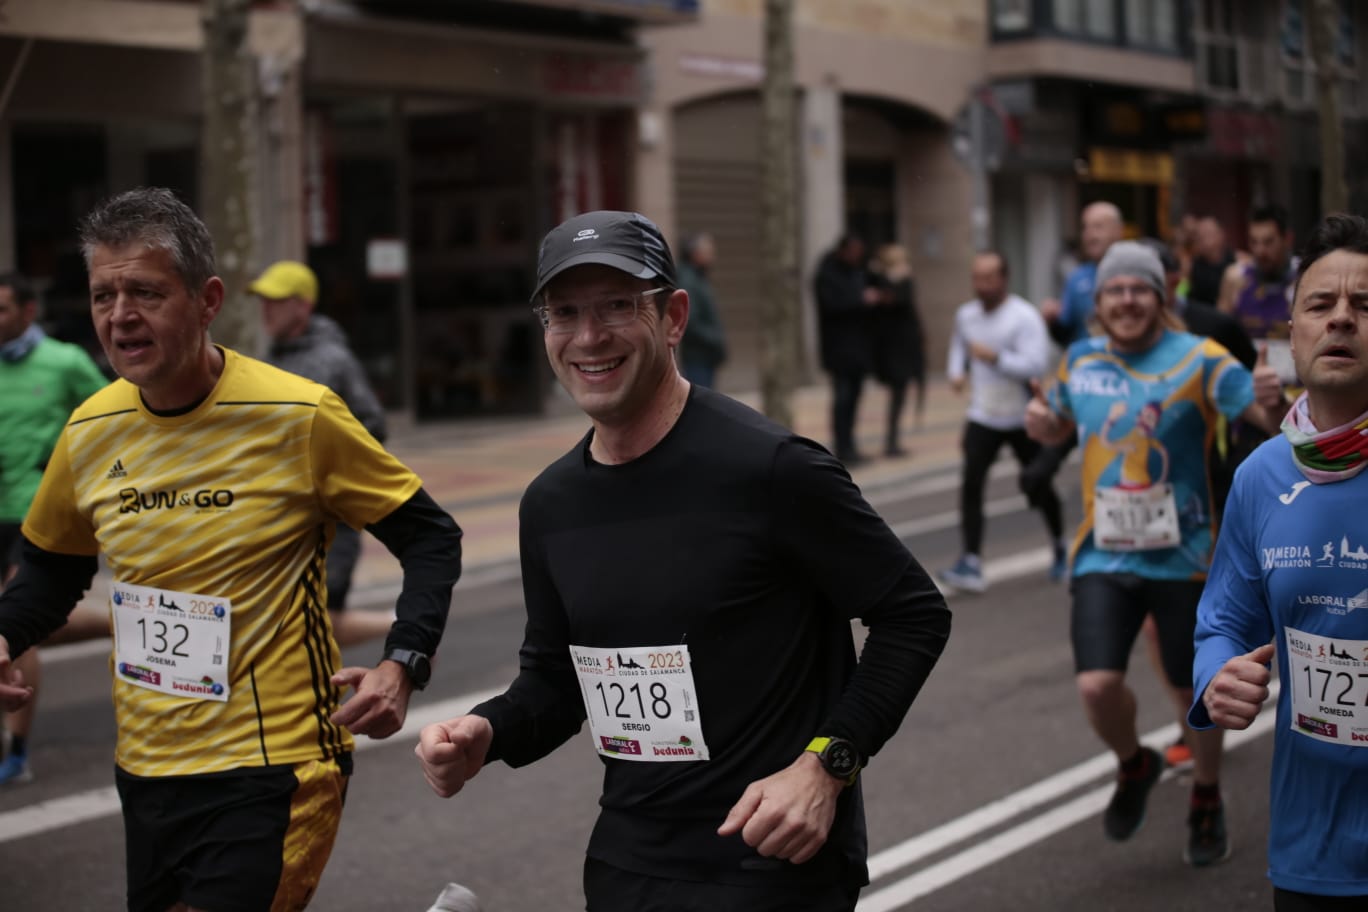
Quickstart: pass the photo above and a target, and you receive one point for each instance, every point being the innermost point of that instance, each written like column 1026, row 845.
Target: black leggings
column 981, row 445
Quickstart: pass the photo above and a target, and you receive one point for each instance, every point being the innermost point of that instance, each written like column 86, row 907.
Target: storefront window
column 1152, row 23
column 1090, row 18
column 1346, row 45
column 1011, row 15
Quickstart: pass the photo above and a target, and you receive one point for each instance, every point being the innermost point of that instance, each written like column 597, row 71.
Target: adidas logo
column 117, row 471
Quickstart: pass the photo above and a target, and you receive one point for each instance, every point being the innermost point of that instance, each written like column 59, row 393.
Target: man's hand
column 1043, row 424
column 453, row 752
column 1268, row 389
column 381, row 700
column 957, row 384
column 13, row 692
column 1235, row 696
column 787, row 815
column 1050, row 309
column 981, row 352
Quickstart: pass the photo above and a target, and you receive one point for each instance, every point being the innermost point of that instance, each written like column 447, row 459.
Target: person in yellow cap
column 314, row 346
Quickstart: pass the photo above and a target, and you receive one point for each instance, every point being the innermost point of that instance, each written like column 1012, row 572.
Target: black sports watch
column 839, row 757
column 418, row 666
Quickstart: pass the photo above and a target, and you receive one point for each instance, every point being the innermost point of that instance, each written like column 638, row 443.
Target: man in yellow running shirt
column 211, row 483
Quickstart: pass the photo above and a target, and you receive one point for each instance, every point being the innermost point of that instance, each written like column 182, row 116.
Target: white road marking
column 102, row 802
column 1036, row 829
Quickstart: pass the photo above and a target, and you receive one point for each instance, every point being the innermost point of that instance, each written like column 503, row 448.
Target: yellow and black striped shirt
column 234, row 499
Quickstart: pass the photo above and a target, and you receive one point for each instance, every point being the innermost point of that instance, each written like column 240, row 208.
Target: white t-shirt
column 998, row 393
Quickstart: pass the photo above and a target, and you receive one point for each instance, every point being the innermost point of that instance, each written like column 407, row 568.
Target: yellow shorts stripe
column 315, row 815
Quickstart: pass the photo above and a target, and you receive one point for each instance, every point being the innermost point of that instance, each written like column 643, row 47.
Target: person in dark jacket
column 844, row 299
column 898, row 345
column 314, row 346
column 704, row 346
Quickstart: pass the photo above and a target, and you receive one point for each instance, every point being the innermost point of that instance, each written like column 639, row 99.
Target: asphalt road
column 988, row 798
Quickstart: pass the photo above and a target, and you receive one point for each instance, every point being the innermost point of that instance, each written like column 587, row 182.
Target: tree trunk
column 1323, row 30
column 781, row 320
column 228, row 166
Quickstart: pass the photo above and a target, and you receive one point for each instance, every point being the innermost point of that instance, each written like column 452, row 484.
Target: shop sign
column 386, row 259
column 596, row 78
column 1130, row 166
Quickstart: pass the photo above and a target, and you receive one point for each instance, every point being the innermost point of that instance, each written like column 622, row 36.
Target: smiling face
column 153, row 329
column 615, row 373
column 1131, row 312
column 1330, row 336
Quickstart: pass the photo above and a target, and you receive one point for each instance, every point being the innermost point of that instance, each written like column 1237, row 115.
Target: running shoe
column 1178, row 753
column 966, row 575
column 15, row 769
column 1207, row 843
column 1059, row 567
column 1126, row 811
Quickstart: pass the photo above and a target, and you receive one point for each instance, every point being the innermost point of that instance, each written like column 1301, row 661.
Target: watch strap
column 409, row 659
column 818, row 745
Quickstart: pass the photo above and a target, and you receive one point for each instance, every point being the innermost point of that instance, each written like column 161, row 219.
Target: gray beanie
column 1129, row 258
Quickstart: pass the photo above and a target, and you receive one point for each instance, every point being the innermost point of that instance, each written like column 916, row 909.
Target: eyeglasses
column 1121, row 292
column 561, row 317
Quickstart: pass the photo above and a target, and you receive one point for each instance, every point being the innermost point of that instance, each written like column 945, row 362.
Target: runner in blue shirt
column 1291, row 567
column 1144, row 400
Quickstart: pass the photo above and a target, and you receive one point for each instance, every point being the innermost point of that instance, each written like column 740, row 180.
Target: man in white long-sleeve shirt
column 1000, row 345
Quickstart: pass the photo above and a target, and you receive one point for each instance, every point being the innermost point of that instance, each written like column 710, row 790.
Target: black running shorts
column 242, row 841
column 608, row 888
column 1109, row 608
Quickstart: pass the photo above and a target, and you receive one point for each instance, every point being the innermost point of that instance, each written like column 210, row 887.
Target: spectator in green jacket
column 41, row 381
column 704, row 346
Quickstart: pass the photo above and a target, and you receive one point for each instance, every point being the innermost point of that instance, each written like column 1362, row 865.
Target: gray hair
column 155, row 218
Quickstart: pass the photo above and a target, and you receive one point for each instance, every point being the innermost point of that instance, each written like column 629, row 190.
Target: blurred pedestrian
column 208, row 481
column 1211, row 257
column 1258, row 292
column 1069, row 317
column 313, row 346
column 704, row 346
column 844, row 299
column 999, row 345
column 729, row 782
column 41, row 381
column 1287, row 581
column 899, row 348
column 1069, row 321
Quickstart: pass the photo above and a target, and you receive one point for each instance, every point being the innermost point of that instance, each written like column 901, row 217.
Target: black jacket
column 842, row 317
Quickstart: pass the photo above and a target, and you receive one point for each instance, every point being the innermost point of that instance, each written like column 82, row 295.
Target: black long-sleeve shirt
column 754, row 548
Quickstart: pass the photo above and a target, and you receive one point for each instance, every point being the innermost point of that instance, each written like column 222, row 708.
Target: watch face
column 421, row 669
column 841, row 759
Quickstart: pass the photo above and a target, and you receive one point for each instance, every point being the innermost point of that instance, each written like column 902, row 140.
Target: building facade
column 1163, row 107
column 413, row 152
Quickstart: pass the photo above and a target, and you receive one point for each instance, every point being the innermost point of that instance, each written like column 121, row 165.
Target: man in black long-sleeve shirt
column 691, row 570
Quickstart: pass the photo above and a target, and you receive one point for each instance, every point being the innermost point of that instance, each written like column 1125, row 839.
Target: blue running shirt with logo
column 1149, row 418
column 1291, row 567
